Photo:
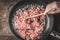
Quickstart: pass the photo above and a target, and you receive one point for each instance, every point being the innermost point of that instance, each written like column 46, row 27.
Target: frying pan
column 21, row 4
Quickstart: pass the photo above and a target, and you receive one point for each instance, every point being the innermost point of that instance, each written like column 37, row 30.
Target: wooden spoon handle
column 33, row 16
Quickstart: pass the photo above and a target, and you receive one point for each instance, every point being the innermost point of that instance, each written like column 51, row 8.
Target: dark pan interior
column 21, row 4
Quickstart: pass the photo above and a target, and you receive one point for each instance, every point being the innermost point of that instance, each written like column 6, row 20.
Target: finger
column 54, row 12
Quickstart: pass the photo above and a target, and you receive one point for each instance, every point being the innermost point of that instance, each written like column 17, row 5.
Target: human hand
column 54, row 6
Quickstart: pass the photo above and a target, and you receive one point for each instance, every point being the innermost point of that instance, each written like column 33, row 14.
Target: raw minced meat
column 30, row 28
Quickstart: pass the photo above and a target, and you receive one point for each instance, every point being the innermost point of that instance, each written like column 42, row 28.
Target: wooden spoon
column 46, row 11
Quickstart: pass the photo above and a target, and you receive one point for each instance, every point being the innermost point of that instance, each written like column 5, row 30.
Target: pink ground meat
column 33, row 27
